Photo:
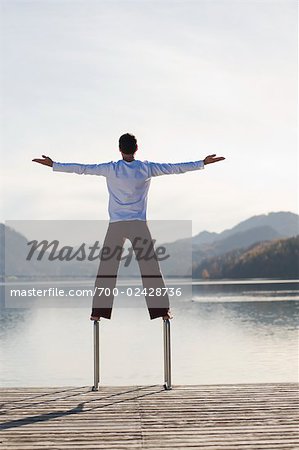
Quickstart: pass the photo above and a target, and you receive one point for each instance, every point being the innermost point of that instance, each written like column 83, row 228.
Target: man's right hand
column 46, row 161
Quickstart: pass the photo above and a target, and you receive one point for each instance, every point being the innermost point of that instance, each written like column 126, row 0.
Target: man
column 128, row 182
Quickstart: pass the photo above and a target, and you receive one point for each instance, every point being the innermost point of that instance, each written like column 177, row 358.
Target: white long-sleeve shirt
column 128, row 182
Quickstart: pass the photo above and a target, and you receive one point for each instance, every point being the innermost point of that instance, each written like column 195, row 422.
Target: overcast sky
column 188, row 78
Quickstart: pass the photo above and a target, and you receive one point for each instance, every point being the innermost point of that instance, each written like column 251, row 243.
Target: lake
column 234, row 331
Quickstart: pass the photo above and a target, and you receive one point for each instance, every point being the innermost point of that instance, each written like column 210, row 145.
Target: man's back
column 128, row 184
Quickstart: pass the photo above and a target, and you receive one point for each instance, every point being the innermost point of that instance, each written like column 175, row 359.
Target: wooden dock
column 246, row 416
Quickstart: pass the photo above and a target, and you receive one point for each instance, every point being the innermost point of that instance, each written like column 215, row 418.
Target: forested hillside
column 277, row 258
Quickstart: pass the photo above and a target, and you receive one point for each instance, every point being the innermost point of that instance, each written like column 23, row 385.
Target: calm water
column 228, row 332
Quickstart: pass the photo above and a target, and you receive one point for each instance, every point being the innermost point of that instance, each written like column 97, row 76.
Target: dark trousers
column 137, row 232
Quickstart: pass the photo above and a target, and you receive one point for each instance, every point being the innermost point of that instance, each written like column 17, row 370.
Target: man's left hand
column 212, row 159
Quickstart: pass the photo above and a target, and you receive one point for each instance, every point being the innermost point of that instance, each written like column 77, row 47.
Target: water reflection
column 247, row 289
column 276, row 313
column 214, row 341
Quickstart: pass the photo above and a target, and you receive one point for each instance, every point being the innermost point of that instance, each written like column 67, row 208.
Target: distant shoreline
column 185, row 280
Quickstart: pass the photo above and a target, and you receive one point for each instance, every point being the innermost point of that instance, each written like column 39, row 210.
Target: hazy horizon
column 163, row 231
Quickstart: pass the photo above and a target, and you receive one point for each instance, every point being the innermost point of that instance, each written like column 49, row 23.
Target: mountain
column 286, row 224
column 265, row 227
column 205, row 237
column 14, row 262
column 274, row 259
column 183, row 259
column 241, row 239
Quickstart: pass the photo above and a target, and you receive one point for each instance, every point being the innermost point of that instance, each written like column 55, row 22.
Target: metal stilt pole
column 96, row 356
column 167, row 354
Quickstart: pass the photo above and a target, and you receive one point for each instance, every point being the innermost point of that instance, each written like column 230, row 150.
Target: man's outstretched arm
column 157, row 169
column 87, row 169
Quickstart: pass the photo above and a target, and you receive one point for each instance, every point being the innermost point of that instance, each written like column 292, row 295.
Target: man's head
column 128, row 144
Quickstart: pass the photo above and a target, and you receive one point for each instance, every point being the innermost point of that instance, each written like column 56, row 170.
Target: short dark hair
column 128, row 144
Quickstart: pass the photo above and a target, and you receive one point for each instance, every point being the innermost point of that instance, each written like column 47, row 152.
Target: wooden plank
column 247, row 416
